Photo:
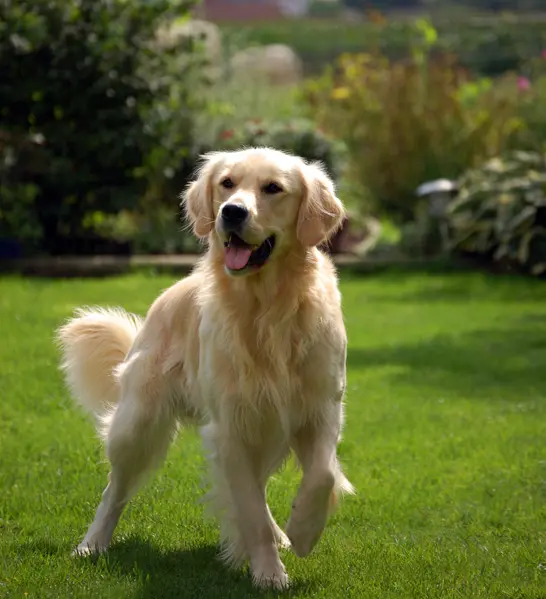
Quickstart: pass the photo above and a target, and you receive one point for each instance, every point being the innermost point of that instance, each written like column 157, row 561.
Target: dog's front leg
column 250, row 513
column 315, row 446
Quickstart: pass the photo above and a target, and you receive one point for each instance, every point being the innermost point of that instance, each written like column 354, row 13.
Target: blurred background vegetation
column 105, row 106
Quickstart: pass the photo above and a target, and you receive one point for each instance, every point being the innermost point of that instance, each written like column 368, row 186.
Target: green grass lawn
column 445, row 443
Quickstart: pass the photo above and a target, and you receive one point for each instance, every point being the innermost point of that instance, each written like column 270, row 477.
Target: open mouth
column 240, row 255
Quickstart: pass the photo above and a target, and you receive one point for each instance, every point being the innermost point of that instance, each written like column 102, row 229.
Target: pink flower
column 523, row 84
column 543, row 54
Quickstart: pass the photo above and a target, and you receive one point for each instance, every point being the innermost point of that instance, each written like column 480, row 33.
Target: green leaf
column 428, row 31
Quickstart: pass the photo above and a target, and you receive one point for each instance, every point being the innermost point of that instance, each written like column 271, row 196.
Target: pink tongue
column 237, row 257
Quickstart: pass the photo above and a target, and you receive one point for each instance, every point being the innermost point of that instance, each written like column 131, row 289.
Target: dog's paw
column 84, row 549
column 272, row 577
column 267, row 569
column 307, row 521
column 283, row 542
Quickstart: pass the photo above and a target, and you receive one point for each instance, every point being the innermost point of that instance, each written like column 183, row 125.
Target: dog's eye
column 272, row 188
column 227, row 183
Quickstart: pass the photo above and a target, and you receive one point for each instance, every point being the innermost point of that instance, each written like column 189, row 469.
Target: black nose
column 234, row 214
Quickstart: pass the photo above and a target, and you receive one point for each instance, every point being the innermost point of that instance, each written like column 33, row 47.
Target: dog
column 251, row 347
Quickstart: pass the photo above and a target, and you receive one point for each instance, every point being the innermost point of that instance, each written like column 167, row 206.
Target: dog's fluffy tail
column 93, row 344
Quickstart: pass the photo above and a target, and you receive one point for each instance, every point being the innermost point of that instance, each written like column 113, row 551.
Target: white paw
column 274, row 577
column 89, row 548
column 283, row 542
column 307, row 521
column 269, row 572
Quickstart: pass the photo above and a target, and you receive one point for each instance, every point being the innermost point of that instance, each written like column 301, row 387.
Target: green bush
column 500, row 213
column 92, row 113
column 149, row 230
column 325, row 10
column 17, row 216
column 408, row 122
column 494, row 46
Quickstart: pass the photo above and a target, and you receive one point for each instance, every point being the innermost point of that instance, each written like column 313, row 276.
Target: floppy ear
column 197, row 198
column 321, row 211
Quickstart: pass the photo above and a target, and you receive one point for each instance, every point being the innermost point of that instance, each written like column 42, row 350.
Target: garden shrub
column 150, row 230
column 410, row 121
column 92, row 114
column 500, row 213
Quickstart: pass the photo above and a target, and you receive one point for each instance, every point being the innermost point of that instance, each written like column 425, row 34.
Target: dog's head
column 257, row 202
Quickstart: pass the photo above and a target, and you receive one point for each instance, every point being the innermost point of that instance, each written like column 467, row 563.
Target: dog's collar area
column 240, row 256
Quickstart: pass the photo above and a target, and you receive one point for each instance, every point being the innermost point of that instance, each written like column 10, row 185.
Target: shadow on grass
column 164, row 573
column 179, row 572
column 506, row 362
column 188, row 573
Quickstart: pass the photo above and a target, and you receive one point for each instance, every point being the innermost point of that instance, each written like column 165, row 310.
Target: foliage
column 150, row 229
column 17, row 197
column 500, row 213
column 325, row 10
column 99, row 115
column 298, row 136
column 487, row 46
column 496, row 45
column 408, row 122
column 232, row 103
column 534, row 116
column 532, row 99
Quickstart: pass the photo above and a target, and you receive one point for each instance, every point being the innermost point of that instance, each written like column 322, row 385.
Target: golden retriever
column 251, row 346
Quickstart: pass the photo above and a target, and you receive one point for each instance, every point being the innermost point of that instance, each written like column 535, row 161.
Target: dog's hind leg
column 137, row 441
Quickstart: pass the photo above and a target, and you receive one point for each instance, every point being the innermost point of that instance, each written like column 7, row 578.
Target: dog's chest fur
column 260, row 365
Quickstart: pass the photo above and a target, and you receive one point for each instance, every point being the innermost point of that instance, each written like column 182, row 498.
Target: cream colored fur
column 257, row 360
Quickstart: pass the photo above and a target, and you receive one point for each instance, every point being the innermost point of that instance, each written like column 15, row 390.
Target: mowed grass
column 445, row 443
